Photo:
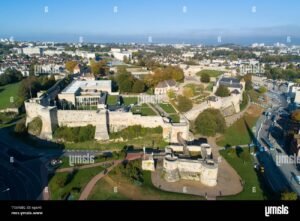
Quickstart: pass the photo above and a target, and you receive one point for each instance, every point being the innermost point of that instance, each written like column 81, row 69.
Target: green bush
column 75, row 134
column 20, row 127
column 35, row 126
column 135, row 131
column 210, row 122
column 222, row 91
column 205, row 78
column 184, row 104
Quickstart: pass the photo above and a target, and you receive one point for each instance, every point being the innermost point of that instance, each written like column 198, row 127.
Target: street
column 270, row 138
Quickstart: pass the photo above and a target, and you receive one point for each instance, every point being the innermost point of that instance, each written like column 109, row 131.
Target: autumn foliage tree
column 296, row 115
column 70, row 65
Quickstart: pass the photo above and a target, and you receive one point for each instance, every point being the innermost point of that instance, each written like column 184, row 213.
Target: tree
column 205, row 78
column 125, row 81
column 296, row 115
column 20, row 127
column 126, row 86
column 248, row 82
column 289, row 196
column 98, row 68
column 262, row 90
column 138, row 86
column 188, row 92
column 10, row 75
column 70, row 65
column 184, row 103
column 210, row 122
column 171, row 94
column 222, row 91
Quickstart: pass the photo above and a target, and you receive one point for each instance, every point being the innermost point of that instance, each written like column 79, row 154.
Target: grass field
column 242, row 128
column 6, row 92
column 211, row 73
column 105, row 189
column 130, row 100
column 112, row 100
column 244, row 167
column 62, row 184
column 167, row 108
column 150, row 141
column 197, row 89
column 254, row 95
column 144, row 110
column 210, row 87
column 175, row 118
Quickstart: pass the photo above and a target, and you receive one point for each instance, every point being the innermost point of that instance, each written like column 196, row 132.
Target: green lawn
column 254, row 95
column 210, row 87
column 130, row 100
column 167, row 108
column 244, row 167
column 240, row 132
column 175, row 118
column 196, row 88
column 150, row 141
column 6, row 92
column 211, row 73
column 61, row 184
column 112, row 100
column 105, row 190
column 144, row 110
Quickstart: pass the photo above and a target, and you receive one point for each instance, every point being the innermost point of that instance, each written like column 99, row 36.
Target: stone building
column 177, row 166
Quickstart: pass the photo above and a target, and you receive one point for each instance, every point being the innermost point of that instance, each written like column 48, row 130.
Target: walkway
column 70, row 169
column 89, row 187
column 232, row 119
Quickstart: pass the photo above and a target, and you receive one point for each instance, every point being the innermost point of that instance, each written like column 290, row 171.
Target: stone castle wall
column 112, row 121
column 196, row 170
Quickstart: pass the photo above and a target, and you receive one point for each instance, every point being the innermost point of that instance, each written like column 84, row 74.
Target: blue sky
column 161, row 18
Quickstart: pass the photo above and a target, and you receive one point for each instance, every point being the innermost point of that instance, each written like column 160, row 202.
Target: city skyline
column 166, row 22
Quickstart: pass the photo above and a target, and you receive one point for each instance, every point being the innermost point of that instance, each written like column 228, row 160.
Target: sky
column 161, row 19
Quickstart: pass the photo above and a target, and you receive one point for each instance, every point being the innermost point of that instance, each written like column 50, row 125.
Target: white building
column 164, row 86
column 30, row 51
column 122, row 54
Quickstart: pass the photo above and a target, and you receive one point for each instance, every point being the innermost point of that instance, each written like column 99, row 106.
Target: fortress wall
column 190, row 166
column 209, row 176
column 117, row 121
column 75, row 118
column 121, row 120
column 47, row 115
column 32, row 110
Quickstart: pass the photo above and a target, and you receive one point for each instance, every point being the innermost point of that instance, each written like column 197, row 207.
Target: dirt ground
column 254, row 110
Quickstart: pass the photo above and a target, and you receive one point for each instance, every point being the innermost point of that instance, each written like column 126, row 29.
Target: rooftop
column 78, row 84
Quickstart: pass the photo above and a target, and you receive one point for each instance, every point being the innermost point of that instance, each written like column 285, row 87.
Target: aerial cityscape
column 173, row 100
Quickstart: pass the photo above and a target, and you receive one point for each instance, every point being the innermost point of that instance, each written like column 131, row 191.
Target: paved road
column 279, row 177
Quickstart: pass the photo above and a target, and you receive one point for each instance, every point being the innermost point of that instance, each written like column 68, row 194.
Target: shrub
column 75, row 134
column 184, row 104
column 35, row 126
column 205, row 78
column 210, row 122
column 20, row 127
column 135, row 131
column 222, row 91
